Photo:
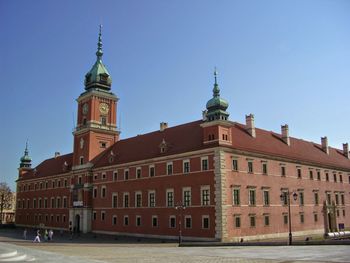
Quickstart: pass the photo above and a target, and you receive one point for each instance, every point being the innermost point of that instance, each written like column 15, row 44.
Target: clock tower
column 97, row 114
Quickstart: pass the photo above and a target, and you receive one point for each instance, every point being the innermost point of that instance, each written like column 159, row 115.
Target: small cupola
column 98, row 76
column 26, row 161
column 216, row 107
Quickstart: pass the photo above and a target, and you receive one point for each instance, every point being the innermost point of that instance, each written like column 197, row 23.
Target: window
column 115, row 176
column 103, row 191
column 204, row 163
column 138, row 220
column 252, row 197
column 138, row 199
column 318, row 175
column 316, row 199
column 39, row 203
column 58, row 202
column 301, row 218
column 170, row 197
column 186, row 166
column 45, row 202
column 95, row 192
column 237, row 219
column 94, row 215
column 337, row 213
column 126, row 200
column 65, row 183
column 340, row 178
column 114, row 220
column 81, row 160
column 205, row 192
column 301, row 198
column 235, row 165
column 126, row 220
column 250, row 167
column 151, row 171
column 114, row 200
column 138, row 172
column 53, row 183
column 52, row 202
column 285, row 219
column 34, row 203
column 151, row 199
column 266, row 220
column 103, row 215
column 84, row 121
column 103, row 120
column 252, row 220
column 186, row 196
column 103, row 144
column 64, row 202
column 315, row 217
column 103, row 175
column 343, row 212
column 169, row 168
column 335, row 177
column 264, row 168
column 327, row 177
column 336, row 199
column 172, row 222
column 154, row 221
column 188, row 222
column 266, row 197
column 126, row 174
column 311, row 173
column 329, row 201
column 236, row 196
column 205, row 222
column 342, row 199
column 283, row 170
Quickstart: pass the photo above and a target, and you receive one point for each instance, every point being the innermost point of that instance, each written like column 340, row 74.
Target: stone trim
column 220, row 195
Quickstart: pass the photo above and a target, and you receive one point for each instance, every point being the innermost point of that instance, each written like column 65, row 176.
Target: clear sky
column 287, row 62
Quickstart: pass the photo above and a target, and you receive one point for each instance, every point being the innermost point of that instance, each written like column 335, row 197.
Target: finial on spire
column 99, row 51
column 216, row 90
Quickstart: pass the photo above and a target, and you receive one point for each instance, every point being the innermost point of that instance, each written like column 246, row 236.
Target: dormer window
column 103, row 78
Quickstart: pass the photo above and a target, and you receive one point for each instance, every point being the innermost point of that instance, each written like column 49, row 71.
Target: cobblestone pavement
column 93, row 250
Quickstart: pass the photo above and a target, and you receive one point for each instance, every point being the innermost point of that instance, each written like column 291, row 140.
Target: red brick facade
column 216, row 178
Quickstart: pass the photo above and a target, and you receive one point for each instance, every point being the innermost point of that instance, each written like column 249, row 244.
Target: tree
column 5, row 198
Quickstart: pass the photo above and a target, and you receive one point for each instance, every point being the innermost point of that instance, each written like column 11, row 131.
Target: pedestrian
column 25, row 234
column 37, row 237
column 46, row 235
column 50, row 234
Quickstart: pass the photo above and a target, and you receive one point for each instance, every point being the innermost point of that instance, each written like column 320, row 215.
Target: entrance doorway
column 77, row 224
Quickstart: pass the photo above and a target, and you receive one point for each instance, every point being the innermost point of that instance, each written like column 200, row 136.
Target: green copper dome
column 216, row 106
column 98, row 76
column 25, row 159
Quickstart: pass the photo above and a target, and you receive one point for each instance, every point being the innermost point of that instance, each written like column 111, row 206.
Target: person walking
column 46, row 235
column 25, row 234
column 37, row 237
column 50, row 234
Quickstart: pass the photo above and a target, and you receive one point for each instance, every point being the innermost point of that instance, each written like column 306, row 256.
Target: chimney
column 285, row 134
column 324, row 143
column 250, row 127
column 57, row 154
column 346, row 150
column 163, row 126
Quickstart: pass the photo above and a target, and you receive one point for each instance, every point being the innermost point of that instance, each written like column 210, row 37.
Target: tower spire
column 99, row 51
column 25, row 159
column 216, row 90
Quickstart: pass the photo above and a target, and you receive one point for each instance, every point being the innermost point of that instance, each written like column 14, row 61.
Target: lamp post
column 180, row 207
column 285, row 197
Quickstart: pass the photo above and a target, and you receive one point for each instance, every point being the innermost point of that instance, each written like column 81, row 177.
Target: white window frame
column 203, row 217
column 114, row 205
column 189, row 166
column 202, row 159
column 124, row 195
column 149, row 170
column 184, row 189
column 185, row 219
column 138, row 217
column 105, row 192
column 205, row 187
column 138, row 193
column 170, row 217
column 167, row 168
column 149, row 198
column 170, row 190
column 138, row 169
column 155, row 217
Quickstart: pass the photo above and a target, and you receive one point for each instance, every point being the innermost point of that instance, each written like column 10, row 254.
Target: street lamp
column 285, row 197
column 180, row 207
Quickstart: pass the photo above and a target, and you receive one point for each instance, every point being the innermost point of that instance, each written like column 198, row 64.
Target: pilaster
column 220, row 195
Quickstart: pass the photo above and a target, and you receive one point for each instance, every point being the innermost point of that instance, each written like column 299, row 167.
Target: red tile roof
column 178, row 139
column 53, row 166
column 188, row 137
column 270, row 143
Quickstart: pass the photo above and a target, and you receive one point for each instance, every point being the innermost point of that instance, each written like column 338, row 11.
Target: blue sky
column 284, row 61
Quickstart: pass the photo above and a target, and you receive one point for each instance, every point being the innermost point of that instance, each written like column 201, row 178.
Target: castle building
column 210, row 179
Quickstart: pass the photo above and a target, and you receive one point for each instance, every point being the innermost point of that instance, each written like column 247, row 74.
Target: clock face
column 85, row 108
column 104, row 108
